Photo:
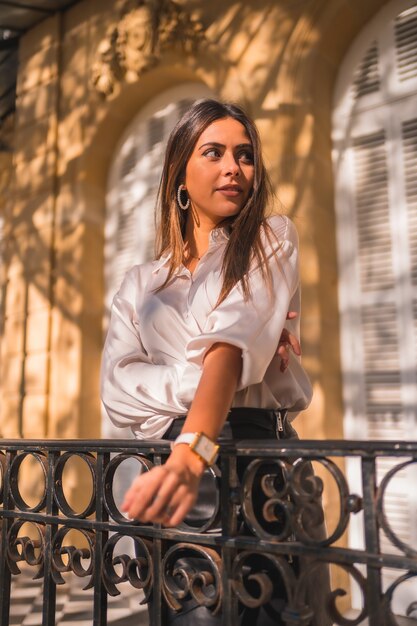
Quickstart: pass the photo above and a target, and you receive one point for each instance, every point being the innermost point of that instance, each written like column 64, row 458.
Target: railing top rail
column 334, row 447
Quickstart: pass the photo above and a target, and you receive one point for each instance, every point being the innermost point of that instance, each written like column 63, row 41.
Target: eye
column 213, row 153
column 246, row 156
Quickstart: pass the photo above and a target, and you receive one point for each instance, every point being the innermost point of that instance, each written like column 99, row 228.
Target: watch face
column 205, row 448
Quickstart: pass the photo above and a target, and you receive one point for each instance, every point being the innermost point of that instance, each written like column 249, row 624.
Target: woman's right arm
column 173, row 487
column 133, row 388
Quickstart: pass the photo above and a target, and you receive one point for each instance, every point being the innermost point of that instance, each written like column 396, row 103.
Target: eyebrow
column 221, row 145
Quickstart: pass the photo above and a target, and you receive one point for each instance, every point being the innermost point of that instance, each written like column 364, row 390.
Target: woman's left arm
column 168, row 492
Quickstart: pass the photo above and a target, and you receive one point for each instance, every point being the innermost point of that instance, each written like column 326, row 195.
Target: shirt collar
column 159, row 263
column 222, row 233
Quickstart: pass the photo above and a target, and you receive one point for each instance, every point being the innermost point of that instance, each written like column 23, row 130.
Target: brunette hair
column 244, row 244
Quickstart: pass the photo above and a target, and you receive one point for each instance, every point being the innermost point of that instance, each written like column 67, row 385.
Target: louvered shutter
column 366, row 79
column 132, row 189
column 405, row 43
column 375, row 162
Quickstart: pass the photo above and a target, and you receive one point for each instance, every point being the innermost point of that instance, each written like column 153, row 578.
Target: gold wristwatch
column 201, row 445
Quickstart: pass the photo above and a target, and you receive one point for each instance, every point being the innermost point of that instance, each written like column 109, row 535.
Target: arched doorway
column 131, row 192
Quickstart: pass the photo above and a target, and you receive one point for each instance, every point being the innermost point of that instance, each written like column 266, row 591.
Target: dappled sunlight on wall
column 279, row 60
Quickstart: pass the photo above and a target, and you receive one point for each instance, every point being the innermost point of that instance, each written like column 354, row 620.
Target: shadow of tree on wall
column 266, row 55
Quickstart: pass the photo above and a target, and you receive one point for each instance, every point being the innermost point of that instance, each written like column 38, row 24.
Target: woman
column 194, row 333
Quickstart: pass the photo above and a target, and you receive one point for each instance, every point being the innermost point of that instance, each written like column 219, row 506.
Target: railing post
column 157, row 556
column 5, row 575
column 157, row 586
column 101, row 536
column 373, row 578
column 49, row 587
column 228, row 497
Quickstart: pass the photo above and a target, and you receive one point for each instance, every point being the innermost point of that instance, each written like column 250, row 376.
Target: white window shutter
column 405, row 43
column 366, row 78
column 375, row 164
column 409, row 140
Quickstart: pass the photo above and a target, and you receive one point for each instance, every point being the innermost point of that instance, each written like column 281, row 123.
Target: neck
column 197, row 236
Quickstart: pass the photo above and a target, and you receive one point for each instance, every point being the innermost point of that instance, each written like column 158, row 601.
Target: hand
column 287, row 342
column 167, row 492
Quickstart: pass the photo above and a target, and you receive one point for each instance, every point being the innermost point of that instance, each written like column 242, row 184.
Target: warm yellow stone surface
column 280, row 60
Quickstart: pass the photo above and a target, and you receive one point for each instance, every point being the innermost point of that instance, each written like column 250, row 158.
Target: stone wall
column 77, row 91
column 74, row 100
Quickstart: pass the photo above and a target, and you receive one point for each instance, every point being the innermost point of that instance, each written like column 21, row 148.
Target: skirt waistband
column 245, row 423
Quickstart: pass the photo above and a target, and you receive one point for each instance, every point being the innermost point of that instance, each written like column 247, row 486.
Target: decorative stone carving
column 145, row 30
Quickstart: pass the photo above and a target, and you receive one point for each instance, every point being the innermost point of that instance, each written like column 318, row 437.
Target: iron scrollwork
column 70, row 558
column 388, row 598
column 383, row 520
column 137, row 571
column 190, row 570
column 290, row 495
column 266, row 563
column 259, row 578
column 25, row 549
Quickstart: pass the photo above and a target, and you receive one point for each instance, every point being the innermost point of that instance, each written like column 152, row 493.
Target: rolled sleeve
column 133, row 388
column 254, row 324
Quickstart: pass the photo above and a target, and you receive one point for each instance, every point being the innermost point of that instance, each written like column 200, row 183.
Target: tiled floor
column 74, row 606
column 401, row 621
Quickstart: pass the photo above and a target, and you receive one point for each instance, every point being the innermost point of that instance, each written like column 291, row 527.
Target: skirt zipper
column 280, row 426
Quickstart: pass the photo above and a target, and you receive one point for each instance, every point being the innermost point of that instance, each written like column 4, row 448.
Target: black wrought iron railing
column 240, row 555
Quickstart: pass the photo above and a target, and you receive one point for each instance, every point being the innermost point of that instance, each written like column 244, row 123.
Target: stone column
column 29, row 238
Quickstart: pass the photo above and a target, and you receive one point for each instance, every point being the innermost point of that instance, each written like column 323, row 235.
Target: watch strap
column 194, row 440
column 184, row 438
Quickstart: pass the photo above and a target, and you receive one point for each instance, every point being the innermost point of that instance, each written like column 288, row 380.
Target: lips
column 230, row 188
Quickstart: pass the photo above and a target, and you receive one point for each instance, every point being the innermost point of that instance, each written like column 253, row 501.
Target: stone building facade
column 80, row 83
column 84, row 75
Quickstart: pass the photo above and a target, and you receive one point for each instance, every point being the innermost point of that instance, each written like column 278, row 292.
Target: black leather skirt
column 246, row 423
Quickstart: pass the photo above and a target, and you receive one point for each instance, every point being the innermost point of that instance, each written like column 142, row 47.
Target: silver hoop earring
column 182, row 206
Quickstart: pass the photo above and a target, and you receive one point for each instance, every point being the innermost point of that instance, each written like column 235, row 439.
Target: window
column 375, row 165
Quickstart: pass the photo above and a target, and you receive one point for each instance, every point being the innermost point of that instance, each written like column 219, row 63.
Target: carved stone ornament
column 144, row 31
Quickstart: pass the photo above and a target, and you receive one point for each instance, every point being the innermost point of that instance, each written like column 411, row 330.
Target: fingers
column 180, row 511
column 142, row 492
column 161, row 496
column 284, row 353
column 177, row 508
column 287, row 342
column 291, row 315
column 164, row 503
column 294, row 343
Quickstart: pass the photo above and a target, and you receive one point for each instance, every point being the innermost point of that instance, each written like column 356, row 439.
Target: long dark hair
column 245, row 243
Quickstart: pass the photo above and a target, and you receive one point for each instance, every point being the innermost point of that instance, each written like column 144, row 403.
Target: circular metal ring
column 109, row 474
column 14, row 480
column 59, row 496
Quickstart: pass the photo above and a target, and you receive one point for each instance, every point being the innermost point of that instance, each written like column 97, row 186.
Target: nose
column 230, row 165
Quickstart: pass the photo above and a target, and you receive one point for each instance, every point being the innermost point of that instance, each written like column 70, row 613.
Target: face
column 219, row 174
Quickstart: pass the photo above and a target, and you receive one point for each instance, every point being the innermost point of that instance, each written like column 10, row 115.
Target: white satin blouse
column 155, row 346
